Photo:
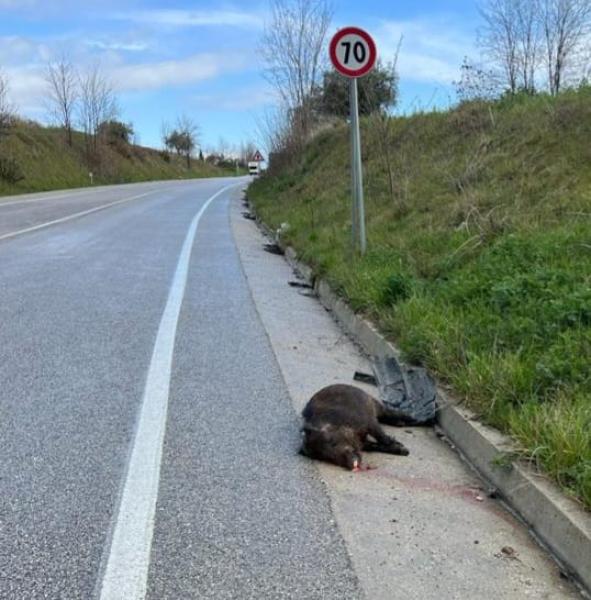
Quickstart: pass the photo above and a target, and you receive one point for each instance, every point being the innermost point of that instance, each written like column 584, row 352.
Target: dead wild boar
column 338, row 421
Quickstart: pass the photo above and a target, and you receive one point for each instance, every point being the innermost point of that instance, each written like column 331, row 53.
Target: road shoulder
column 421, row 526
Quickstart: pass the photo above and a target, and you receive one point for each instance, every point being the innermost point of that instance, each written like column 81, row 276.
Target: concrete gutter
column 557, row 522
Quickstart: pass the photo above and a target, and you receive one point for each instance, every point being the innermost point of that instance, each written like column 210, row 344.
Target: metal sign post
column 357, row 171
column 353, row 54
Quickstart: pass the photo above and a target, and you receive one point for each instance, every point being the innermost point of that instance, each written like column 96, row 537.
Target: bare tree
column 529, row 42
column 518, row 35
column 292, row 47
column 246, row 152
column 6, row 109
column 499, row 38
column 274, row 133
column 512, row 39
column 566, row 24
column 62, row 83
column 224, row 148
column 187, row 136
column 98, row 104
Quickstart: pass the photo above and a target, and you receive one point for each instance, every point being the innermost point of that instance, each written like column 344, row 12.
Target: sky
column 201, row 58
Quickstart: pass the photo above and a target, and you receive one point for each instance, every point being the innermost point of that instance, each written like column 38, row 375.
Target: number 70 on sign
column 353, row 52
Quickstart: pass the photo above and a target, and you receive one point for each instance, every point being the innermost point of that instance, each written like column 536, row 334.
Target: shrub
column 10, row 171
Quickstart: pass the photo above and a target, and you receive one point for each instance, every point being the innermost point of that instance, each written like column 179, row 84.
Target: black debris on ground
column 273, row 249
column 365, row 378
column 300, row 284
column 408, row 389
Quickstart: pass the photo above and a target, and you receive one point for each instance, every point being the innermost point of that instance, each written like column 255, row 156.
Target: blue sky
column 200, row 57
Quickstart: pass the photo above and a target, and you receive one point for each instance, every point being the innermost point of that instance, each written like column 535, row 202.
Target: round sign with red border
column 353, row 52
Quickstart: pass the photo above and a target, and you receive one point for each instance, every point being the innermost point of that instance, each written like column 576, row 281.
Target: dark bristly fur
column 338, row 420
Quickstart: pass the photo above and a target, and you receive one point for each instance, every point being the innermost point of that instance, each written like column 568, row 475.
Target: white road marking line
column 126, row 572
column 48, row 198
column 73, row 216
column 121, row 187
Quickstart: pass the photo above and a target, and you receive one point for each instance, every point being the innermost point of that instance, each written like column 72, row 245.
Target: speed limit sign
column 353, row 52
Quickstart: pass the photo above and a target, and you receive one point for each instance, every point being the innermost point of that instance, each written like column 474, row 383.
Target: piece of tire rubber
column 410, row 390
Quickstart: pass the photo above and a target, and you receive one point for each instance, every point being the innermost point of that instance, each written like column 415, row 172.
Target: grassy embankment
column 479, row 261
column 48, row 163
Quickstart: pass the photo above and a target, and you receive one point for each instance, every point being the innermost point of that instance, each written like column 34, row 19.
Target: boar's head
column 335, row 444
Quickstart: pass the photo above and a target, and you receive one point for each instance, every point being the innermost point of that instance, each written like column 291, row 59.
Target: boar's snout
column 349, row 458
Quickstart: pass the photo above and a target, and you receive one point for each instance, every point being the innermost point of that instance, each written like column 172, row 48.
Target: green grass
column 48, row 163
column 479, row 260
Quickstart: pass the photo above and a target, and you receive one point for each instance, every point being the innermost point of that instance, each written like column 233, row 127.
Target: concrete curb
column 558, row 522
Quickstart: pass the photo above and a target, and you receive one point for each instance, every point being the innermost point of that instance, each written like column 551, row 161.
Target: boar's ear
column 308, row 429
column 311, row 429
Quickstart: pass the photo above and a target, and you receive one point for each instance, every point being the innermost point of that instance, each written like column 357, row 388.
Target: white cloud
column 26, row 88
column 150, row 76
column 193, row 18
column 17, row 49
column 245, row 99
column 431, row 52
column 122, row 46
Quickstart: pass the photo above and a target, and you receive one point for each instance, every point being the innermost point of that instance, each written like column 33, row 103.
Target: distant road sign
column 353, row 52
column 258, row 157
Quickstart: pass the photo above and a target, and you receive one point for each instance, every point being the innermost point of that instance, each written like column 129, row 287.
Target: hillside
column 479, row 256
column 46, row 162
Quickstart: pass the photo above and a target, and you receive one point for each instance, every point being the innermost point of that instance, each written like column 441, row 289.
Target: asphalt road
column 153, row 361
column 80, row 306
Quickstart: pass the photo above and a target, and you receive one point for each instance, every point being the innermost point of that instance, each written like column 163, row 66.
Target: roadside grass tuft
column 479, row 258
column 556, row 435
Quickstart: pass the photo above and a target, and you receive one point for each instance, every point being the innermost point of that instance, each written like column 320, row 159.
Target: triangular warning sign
column 258, row 157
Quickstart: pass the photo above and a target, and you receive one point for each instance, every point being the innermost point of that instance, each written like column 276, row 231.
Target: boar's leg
column 384, row 443
column 393, row 417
